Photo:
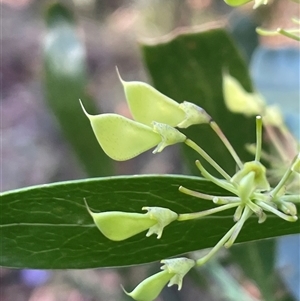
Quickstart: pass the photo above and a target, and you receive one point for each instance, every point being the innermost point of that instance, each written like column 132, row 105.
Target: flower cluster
column 155, row 118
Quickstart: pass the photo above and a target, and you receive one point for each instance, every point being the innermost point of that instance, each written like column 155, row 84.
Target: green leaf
column 189, row 67
column 66, row 83
column 48, row 226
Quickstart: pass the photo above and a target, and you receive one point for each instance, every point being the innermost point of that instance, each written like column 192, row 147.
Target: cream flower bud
column 169, row 135
column 173, row 272
column 238, row 100
column 147, row 104
column 260, row 179
column 118, row 225
column 194, row 115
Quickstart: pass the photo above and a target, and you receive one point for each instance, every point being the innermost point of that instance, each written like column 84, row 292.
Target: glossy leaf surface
column 48, row 226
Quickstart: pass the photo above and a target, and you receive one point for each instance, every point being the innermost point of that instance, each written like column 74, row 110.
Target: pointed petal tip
column 119, row 76
column 84, row 110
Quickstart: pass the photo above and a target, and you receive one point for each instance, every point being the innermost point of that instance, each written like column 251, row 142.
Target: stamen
column 208, row 158
column 238, row 226
column 277, row 212
column 223, row 184
column 214, row 198
column 226, row 142
column 194, row 215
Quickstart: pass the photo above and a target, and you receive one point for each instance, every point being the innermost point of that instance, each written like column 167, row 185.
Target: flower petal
column 147, row 104
column 118, row 225
column 151, row 287
column 238, row 100
column 122, row 138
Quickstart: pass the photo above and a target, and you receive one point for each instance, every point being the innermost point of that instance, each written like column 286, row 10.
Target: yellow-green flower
column 173, row 272
column 122, row 138
column 118, row 225
column 147, row 105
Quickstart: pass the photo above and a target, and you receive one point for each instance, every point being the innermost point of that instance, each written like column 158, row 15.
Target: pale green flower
column 259, row 182
column 122, row 138
column 148, row 105
column 118, row 225
column 173, row 272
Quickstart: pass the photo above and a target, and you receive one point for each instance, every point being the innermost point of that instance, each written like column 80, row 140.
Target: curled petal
column 122, row 138
column 179, row 267
column 162, row 217
column 147, row 104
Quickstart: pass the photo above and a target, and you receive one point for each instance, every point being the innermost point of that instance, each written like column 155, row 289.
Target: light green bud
column 122, row 138
column 173, row 272
column 238, row 100
column 194, row 115
column 147, row 104
column 118, row 225
column 169, row 135
column 260, row 179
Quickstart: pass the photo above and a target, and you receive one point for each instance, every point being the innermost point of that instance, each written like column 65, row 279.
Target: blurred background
column 34, row 149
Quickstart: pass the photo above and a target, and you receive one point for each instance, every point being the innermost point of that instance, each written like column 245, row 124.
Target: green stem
column 194, row 215
column 207, row 157
column 209, row 197
column 246, row 214
column 226, row 142
column 221, row 183
column 216, row 248
column 258, row 137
